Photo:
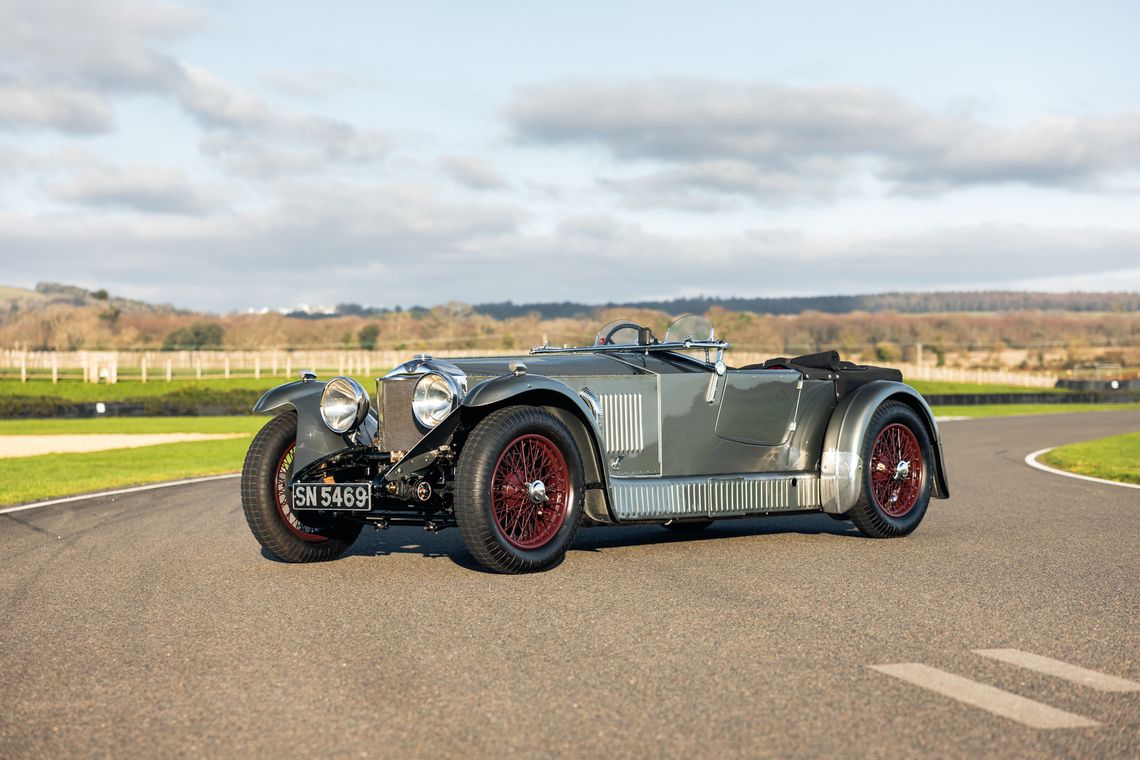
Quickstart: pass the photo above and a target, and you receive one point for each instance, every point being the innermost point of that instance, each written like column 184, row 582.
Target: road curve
column 151, row 624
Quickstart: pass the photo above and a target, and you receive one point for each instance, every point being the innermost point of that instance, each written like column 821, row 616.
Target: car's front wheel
column 519, row 490
column 896, row 473
column 268, row 502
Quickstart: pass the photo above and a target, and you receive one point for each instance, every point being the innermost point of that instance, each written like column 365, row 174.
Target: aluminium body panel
column 713, row 496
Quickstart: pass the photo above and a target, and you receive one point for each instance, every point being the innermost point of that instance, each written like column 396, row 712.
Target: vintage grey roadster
column 519, row 451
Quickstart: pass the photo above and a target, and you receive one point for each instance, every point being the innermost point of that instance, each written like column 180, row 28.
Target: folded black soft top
column 827, row 365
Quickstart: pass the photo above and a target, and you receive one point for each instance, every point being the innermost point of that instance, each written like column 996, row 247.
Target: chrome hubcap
column 902, row 470
column 537, row 492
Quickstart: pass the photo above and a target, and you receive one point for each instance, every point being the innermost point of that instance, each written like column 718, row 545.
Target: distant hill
column 46, row 294
column 906, row 303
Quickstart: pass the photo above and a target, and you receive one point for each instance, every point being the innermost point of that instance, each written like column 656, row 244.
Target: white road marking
column 1051, row 667
column 996, row 701
column 1031, row 460
column 118, row 492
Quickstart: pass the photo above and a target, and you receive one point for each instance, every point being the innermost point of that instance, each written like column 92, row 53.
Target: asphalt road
column 152, row 625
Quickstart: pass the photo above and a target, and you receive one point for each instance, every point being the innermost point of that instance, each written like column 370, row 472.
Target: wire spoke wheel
column 267, row 501
column 519, row 490
column 530, row 491
column 896, row 470
column 284, row 499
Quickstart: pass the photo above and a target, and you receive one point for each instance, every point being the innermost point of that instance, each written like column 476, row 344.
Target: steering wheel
column 607, row 339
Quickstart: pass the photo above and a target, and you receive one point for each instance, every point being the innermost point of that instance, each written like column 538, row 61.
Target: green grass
column 1114, row 458
column 938, row 386
column 133, row 425
column 1006, row 410
column 79, row 392
column 55, row 475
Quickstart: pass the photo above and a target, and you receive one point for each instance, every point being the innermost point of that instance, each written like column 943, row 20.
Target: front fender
column 314, row 439
column 500, row 389
column 539, row 390
column 841, row 466
column 507, row 386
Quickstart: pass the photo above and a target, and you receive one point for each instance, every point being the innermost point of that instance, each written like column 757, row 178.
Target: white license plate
column 348, row 497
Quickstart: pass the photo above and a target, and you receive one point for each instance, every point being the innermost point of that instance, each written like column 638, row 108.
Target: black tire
column 490, row 491
column 900, row 516
column 266, row 501
column 688, row 526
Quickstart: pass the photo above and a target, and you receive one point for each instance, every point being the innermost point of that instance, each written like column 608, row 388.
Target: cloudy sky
column 225, row 155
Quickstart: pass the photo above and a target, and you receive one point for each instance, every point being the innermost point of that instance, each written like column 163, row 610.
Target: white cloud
column 768, row 142
column 27, row 107
column 142, row 189
column 406, row 244
column 473, row 173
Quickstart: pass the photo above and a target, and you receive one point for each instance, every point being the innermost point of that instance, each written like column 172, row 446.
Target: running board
column 713, row 495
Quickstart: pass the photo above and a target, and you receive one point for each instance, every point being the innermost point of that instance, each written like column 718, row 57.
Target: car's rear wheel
column 268, row 502
column 518, row 490
column 896, row 473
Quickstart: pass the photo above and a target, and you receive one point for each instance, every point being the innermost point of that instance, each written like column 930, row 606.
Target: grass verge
column 1114, row 458
column 55, row 475
column 1009, row 410
column 130, row 390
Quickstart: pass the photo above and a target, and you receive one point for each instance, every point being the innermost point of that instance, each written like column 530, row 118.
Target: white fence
column 986, row 376
column 165, row 366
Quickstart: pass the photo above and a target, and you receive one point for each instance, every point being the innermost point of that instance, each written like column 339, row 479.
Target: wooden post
column 257, row 367
column 340, row 364
column 142, row 368
column 288, row 365
column 113, row 373
column 198, row 366
column 275, row 364
column 367, row 365
column 54, row 367
column 23, row 366
column 169, row 371
column 227, row 365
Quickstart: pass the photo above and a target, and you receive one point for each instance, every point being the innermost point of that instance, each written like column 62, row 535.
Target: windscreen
column 689, row 327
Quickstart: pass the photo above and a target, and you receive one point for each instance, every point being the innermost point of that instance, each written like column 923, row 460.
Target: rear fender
column 314, row 439
column 841, row 466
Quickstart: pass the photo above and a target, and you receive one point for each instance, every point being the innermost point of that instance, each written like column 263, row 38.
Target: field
column 1114, row 458
column 79, row 392
column 1008, row 410
column 54, row 475
column 35, row 478
column 930, row 387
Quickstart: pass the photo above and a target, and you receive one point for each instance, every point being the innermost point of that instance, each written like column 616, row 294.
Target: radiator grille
column 399, row 430
column 622, row 424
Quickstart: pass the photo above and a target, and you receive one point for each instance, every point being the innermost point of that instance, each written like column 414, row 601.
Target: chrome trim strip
column 594, row 401
column 687, row 345
column 713, row 496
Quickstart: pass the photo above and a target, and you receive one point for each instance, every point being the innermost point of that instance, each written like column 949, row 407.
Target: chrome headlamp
column 344, row 404
column 434, row 398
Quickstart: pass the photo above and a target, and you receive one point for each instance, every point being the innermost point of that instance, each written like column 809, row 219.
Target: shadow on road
column 595, row 539
column 449, row 544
